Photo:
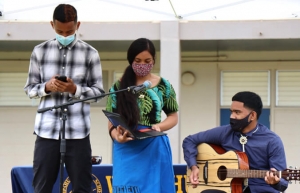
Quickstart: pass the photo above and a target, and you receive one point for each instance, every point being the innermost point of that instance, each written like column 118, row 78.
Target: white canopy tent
column 157, row 10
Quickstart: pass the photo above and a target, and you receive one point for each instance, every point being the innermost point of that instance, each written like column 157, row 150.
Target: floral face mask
column 142, row 69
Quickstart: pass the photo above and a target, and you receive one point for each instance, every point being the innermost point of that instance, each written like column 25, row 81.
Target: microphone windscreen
column 147, row 84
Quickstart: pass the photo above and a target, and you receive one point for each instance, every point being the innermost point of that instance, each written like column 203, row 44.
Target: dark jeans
column 46, row 164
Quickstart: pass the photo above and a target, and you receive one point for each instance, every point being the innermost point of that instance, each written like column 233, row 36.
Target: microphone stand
column 64, row 109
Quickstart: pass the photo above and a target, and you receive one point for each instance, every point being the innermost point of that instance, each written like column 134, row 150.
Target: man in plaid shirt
column 80, row 63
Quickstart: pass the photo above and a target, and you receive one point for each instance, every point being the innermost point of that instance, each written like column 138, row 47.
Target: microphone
column 140, row 88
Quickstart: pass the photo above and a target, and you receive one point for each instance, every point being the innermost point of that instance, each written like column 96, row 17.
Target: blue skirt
column 143, row 166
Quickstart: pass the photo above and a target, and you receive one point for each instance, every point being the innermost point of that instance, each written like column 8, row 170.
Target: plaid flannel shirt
column 78, row 61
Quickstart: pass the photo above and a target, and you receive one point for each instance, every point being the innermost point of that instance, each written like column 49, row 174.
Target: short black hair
column 65, row 13
column 251, row 100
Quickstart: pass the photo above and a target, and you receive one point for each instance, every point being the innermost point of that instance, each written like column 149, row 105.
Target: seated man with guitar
column 243, row 156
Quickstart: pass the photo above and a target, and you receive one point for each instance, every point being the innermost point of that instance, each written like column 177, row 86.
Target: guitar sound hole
column 222, row 173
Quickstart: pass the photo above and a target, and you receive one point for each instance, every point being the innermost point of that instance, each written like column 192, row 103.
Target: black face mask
column 239, row 124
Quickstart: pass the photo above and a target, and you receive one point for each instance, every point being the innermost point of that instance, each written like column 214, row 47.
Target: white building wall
column 200, row 101
column 199, row 110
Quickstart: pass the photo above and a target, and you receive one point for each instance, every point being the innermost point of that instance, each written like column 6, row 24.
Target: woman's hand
column 121, row 135
column 168, row 123
column 156, row 128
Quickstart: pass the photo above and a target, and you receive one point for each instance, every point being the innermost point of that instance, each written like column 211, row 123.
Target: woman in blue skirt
column 142, row 166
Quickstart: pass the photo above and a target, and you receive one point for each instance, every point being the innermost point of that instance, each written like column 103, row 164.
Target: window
column 287, row 88
column 233, row 82
column 12, row 90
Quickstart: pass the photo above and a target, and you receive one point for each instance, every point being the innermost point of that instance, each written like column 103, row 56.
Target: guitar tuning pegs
column 296, row 167
column 290, row 182
column 291, row 167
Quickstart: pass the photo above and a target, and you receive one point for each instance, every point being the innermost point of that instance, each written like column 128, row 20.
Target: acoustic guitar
column 226, row 171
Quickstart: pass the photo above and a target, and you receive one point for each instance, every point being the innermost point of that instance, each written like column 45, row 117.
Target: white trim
column 188, row 30
column 87, row 30
column 232, row 30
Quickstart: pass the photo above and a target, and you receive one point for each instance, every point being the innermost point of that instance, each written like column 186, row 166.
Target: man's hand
column 54, row 85
column 271, row 178
column 50, row 86
column 194, row 177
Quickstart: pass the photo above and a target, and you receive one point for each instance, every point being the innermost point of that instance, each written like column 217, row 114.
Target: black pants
column 46, row 164
column 247, row 190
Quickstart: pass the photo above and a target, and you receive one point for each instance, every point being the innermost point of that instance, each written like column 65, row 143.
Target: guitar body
column 210, row 159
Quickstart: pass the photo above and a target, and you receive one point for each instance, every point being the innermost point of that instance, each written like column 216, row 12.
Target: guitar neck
column 238, row 173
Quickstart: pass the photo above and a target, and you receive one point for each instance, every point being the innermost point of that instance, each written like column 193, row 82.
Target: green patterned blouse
column 151, row 102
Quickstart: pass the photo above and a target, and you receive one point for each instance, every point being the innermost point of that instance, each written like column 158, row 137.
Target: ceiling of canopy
column 153, row 10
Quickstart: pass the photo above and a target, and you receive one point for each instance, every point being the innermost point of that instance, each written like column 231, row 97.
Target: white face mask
column 65, row 40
